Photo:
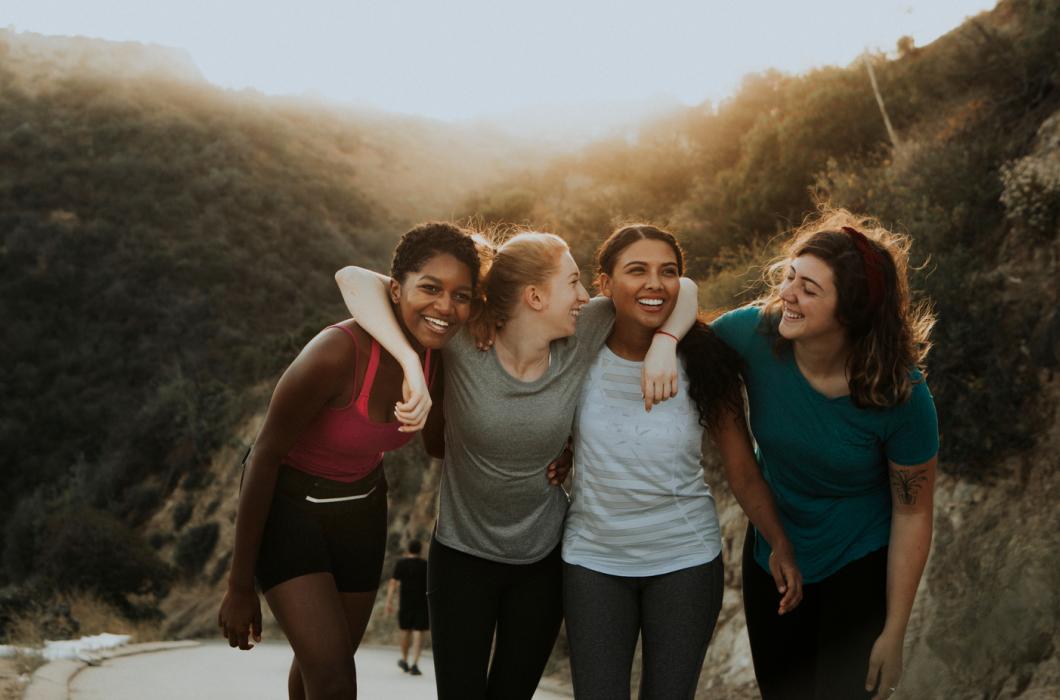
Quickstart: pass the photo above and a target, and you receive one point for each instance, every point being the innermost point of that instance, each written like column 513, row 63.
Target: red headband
column 870, row 258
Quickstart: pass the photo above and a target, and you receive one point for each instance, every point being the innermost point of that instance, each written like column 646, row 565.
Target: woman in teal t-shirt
column 847, row 439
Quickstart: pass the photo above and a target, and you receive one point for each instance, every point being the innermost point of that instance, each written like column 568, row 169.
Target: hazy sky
column 462, row 58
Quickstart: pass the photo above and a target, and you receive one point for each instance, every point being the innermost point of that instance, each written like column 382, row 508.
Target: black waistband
column 294, row 482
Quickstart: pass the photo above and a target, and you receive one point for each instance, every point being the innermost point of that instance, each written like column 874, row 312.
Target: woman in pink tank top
column 311, row 524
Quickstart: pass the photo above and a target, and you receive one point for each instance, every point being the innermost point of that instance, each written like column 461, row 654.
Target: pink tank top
column 342, row 443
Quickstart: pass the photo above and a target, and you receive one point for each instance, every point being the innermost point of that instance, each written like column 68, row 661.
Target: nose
column 583, row 295
column 444, row 305
column 786, row 293
column 654, row 281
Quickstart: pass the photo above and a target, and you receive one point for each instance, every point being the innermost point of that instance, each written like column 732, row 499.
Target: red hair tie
column 870, row 258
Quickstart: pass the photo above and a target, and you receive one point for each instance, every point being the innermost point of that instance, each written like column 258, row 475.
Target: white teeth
column 650, row 302
column 436, row 322
column 792, row 315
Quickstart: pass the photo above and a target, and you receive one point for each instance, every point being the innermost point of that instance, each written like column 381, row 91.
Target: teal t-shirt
column 825, row 459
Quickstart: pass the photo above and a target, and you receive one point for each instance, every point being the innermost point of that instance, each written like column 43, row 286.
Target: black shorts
column 414, row 618
column 317, row 525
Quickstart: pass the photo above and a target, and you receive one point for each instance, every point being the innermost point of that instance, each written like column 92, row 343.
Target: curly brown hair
column 889, row 333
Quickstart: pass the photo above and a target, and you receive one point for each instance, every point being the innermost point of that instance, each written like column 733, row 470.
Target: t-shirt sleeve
column 594, row 324
column 738, row 327
column 914, row 430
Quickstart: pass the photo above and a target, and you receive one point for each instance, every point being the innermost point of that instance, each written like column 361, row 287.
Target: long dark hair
column 715, row 371
column 889, row 333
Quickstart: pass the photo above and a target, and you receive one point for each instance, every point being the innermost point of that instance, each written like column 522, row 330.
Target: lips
column 436, row 324
column 792, row 315
column 651, row 304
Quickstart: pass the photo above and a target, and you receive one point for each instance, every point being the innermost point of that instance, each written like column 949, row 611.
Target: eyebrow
column 668, row 263
column 432, row 278
column 812, row 281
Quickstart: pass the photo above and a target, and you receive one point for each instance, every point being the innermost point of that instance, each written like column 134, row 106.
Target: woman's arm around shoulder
column 658, row 380
column 316, row 378
column 365, row 295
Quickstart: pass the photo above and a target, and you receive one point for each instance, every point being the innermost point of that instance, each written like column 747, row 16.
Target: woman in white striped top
column 642, row 545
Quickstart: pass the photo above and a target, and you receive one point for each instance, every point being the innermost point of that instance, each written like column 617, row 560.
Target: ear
column 395, row 291
column 603, row 283
column 534, row 298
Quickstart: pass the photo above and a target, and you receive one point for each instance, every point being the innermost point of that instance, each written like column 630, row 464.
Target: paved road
column 212, row 671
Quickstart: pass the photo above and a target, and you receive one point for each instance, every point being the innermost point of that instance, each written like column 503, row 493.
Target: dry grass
column 93, row 617
column 27, row 663
column 96, row 617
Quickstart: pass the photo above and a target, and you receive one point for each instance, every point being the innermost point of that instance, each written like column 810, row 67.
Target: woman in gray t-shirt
column 494, row 567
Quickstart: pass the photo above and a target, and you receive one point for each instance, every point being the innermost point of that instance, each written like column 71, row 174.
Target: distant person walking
column 311, row 524
column 847, row 439
column 410, row 579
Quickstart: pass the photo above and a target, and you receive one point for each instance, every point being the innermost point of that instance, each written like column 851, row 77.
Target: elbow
column 342, row 277
column 688, row 286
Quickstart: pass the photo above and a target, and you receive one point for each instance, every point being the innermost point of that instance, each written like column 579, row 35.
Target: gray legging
column 674, row 612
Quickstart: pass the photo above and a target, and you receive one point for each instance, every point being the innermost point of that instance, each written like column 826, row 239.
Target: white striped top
column 640, row 505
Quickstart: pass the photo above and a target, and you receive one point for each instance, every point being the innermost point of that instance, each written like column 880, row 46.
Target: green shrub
column 195, row 547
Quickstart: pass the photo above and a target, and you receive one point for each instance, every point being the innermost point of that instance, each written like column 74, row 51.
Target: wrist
column 660, row 333
column 240, row 587
column 410, row 362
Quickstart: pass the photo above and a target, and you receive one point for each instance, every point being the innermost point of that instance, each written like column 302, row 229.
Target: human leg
column 678, row 613
column 602, row 614
column 295, row 686
column 528, row 619
column 783, row 647
column 417, row 645
column 853, row 610
column 404, row 662
column 462, row 593
column 309, row 608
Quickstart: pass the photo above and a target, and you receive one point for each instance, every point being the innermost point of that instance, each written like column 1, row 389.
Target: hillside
column 168, row 246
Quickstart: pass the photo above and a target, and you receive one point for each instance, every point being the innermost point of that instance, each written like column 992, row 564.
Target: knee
column 337, row 682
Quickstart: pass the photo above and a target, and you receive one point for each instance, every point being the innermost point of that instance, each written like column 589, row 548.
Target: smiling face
column 434, row 301
column 562, row 296
column 643, row 284
column 810, row 300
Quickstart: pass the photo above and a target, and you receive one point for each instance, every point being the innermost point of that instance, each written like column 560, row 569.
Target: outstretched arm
column 658, row 380
column 365, row 295
column 912, row 510
column 753, row 494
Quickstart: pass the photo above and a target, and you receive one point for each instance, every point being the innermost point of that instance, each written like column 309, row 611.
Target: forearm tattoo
column 906, row 484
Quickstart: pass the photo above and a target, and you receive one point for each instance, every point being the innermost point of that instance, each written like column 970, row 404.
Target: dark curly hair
column 425, row 241
column 715, row 371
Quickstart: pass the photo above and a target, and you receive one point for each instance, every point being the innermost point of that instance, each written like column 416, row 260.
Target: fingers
column 412, row 412
column 256, row 625
column 873, row 677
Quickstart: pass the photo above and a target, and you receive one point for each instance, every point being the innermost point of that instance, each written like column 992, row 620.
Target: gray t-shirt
column 495, row 501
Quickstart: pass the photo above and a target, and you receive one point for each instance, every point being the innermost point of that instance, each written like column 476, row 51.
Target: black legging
column 673, row 613
column 820, row 650
column 470, row 598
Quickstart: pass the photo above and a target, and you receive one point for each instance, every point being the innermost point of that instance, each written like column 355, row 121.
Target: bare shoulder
column 335, row 348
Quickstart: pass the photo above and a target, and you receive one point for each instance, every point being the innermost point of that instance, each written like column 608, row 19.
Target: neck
column 522, row 349
column 823, row 357
column 630, row 340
